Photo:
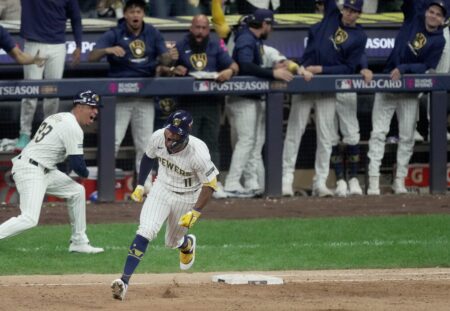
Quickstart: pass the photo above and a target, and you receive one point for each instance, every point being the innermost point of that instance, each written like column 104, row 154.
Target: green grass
column 268, row 244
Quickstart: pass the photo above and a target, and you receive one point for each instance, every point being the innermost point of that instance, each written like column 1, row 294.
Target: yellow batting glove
column 188, row 219
column 138, row 194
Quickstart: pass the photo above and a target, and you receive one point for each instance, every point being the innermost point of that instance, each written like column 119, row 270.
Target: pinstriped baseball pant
column 32, row 184
column 52, row 69
column 346, row 120
column 243, row 119
column 324, row 105
column 141, row 113
column 386, row 104
column 161, row 205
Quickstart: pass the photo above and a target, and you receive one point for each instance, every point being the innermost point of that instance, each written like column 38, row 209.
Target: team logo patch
column 199, row 61
column 419, row 41
column 211, row 170
column 137, row 48
column 340, row 36
column 176, row 122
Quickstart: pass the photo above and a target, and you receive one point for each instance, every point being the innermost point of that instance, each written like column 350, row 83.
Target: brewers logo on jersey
column 199, row 61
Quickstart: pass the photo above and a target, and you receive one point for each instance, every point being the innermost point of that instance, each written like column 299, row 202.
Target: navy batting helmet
column 179, row 122
column 89, row 98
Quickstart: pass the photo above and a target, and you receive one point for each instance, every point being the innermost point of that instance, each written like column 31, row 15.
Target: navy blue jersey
column 45, row 21
column 416, row 50
column 6, row 41
column 141, row 51
column 247, row 48
column 213, row 59
column 335, row 47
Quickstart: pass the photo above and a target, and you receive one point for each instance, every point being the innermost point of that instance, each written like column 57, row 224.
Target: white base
column 254, row 279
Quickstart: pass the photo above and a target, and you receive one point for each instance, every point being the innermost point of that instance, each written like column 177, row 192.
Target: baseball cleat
column 399, row 186
column 374, row 185
column 353, row 187
column 119, row 289
column 85, row 248
column 322, row 191
column 187, row 259
column 341, row 188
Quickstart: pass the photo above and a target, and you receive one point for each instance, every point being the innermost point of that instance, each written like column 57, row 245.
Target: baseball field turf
column 227, row 245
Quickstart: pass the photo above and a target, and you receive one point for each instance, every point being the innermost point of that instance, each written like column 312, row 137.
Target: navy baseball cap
column 354, row 5
column 263, row 15
column 441, row 4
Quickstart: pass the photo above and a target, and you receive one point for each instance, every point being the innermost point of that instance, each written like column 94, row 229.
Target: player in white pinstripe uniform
column 418, row 48
column 35, row 173
column 335, row 46
column 186, row 180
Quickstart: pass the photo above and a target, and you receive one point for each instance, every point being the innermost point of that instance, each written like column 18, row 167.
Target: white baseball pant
column 160, row 205
column 324, row 105
column 405, row 106
column 254, row 172
column 52, row 69
column 141, row 112
column 243, row 112
column 32, row 183
column 346, row 120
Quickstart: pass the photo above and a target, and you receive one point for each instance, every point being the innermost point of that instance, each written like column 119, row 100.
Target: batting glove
column 188, row 219
column 138, row 194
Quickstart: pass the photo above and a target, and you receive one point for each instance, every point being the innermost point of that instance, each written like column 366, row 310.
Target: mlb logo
column 201, row 86
column 343, row 84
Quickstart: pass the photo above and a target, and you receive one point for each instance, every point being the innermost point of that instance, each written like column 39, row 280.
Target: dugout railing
column 437, row 85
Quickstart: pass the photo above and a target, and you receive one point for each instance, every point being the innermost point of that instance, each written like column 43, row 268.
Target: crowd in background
column 10, row 9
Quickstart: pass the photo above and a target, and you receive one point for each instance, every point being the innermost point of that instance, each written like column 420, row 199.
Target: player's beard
column 198, row 47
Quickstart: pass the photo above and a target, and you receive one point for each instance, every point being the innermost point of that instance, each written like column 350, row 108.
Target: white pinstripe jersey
column 58, row 136
column 184, row 171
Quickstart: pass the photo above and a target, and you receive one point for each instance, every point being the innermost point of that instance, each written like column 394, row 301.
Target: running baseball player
column 335, row 46
column 186, row 180
column 35, row 173
column 43, row 26
column 132, row 50
column 418, row 48
column 9, row 46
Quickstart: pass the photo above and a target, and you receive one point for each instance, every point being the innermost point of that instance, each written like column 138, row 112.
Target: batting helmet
column 179, row 122
column 89, row 98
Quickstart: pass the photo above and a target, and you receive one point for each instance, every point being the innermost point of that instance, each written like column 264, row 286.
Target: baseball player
column 335, row 46
column 43, row 26
column 186, row 180
column 132, row 50
column 442, row 67
column 346, row 122
column 35, row 173
column 244, row 111
column 418, row 48
column 8, row 45
column 199, row 51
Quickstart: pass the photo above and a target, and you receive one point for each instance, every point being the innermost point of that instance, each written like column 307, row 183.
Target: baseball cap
column 439, row 3
column 89, row 98
column 354, row 4
column 263, row 15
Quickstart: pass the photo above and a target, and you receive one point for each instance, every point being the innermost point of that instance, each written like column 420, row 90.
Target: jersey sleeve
column 205, row 169
column 106, row 40
column 160, row 43
column 152, row 145
column 6, row 41
column 73, row 140
column 223, row 59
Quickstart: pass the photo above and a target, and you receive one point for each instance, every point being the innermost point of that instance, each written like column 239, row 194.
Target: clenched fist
column 188, row 219
column 138, row 194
